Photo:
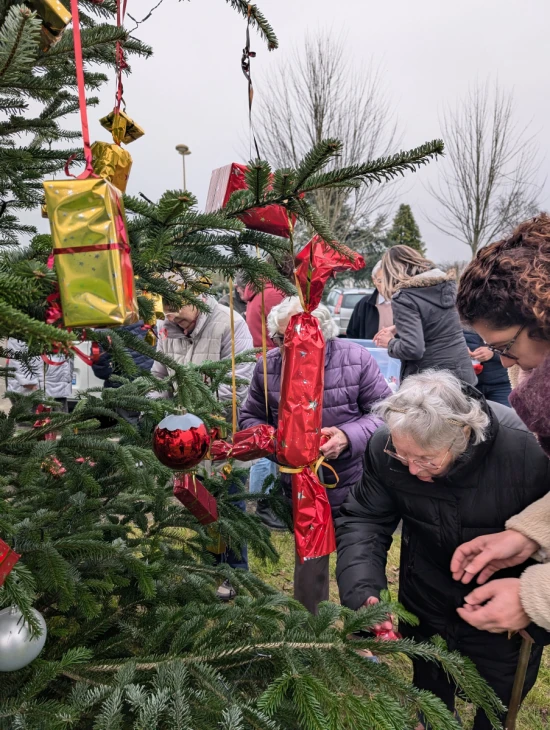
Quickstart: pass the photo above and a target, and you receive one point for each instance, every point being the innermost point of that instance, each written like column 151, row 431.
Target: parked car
column 341, row 303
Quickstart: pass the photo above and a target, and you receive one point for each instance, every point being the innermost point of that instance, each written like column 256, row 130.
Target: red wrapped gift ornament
column 192, row 493
column 8, row 558
column 251, row 443
column 301, row 401
column 225, row 181
column 44, row 422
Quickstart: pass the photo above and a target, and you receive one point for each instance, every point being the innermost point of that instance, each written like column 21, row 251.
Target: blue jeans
column 229, row 557
column 259, row 473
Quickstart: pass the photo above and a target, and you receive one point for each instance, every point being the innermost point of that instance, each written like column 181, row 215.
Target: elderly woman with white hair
column 353, row 385
column 372, row 313
column 452, row 467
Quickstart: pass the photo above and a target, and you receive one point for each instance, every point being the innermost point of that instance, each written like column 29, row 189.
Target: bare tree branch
column 317, row 94
column 490, row 179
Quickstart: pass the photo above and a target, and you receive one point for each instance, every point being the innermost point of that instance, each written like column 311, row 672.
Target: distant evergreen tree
column 405, row 231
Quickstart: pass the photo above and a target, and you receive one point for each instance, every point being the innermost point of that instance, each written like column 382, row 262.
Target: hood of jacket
column 174, row 332
column 434, row 286
column 530, row 400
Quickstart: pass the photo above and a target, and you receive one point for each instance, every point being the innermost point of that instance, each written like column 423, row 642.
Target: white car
column 342, row 302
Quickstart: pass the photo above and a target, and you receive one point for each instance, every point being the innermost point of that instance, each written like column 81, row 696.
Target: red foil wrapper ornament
column 313, row 526
column 192, row 493
column 301, row 401
column 53, row 466
column 225, row 181
column 302, row 384
column 8, row 558
column 251, row 443
column 317, row 262
column 181, row 441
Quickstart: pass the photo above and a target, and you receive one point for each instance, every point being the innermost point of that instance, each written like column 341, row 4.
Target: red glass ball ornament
column 181, row 442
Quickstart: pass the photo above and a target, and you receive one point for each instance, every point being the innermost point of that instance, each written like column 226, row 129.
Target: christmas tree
column 120, row 572
column 405, row 231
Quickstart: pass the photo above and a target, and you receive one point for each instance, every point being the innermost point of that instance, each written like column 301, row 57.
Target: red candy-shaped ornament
column 181, row 442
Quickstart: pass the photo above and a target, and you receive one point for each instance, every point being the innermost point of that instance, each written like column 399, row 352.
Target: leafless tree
column 315, row 93
column 489, row 181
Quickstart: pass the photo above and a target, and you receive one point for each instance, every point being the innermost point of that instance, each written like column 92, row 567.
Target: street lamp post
column 184, row 150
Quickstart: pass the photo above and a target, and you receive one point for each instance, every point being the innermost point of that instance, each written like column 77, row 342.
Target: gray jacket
column 429, row 333
column 59, row 378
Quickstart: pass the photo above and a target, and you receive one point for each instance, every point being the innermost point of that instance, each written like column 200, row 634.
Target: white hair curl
column 433, row 410
column 280, row 315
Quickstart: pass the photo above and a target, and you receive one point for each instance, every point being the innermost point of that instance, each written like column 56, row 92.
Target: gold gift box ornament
column 122, row 127
column 91, row 252
column 112, row 162
column 55, row 18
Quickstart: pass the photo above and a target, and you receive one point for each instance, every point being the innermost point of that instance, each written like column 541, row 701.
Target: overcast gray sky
column 192, row 90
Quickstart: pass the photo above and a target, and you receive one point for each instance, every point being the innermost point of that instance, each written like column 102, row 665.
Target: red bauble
column 181, row 442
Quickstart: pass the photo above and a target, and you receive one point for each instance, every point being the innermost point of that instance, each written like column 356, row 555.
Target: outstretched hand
column 495, row 607
column 489, row 553
column 385, row 625
column 337, row 442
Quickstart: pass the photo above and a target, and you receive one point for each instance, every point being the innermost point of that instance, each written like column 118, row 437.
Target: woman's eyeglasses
column 424, row 463
column 504, row 351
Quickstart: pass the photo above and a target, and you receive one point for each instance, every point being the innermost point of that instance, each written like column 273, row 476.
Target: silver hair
column 432, row 409
column 279, row 316
column 377, row 266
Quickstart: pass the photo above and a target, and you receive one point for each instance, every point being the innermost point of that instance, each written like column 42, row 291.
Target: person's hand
column 489, row 553
column 385, row 625
column 495, row 607
column 384, row 336
column 337, row 442
column 30, row 387
column 483, row 354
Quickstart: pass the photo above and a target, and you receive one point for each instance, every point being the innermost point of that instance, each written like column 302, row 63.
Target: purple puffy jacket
column 353, row 383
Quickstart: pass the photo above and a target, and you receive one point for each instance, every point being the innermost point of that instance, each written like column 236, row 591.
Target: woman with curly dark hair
column 504, row 295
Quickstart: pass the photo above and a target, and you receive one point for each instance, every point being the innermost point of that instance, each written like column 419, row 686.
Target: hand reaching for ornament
column 495, row 607
column 483, row 354
column 386, row 626
column 337, row 442
column 385, row 336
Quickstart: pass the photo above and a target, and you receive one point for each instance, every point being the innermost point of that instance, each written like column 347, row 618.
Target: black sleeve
column 103, row 368
column 354, row 326
column 364, row 530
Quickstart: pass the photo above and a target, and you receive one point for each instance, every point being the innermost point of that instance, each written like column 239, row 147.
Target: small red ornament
column 181, row 442
column 192, row 493
column 53, row 466
column 8, row 558
column 44, row 422
column 387, row 635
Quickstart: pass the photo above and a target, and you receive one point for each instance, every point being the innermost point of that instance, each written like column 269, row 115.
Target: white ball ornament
column 17, row 647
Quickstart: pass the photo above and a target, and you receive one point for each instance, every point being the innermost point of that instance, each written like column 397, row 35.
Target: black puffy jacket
column 486, row 486
column 493, row 373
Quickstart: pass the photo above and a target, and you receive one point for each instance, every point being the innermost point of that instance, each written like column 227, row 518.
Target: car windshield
column 350, row 300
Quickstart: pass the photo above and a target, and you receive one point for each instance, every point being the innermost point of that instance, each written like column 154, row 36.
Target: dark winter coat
column 486, row 486
column 493, row 373
column 103, row 368
column 353, row 383
column 429, row 333
column 364, row 320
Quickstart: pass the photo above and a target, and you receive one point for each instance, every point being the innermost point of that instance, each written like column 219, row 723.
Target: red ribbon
column 96, row 247
column 81, row 92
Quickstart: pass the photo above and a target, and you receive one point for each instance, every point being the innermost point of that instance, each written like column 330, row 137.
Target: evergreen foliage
column 405, row 231
column 120, row 571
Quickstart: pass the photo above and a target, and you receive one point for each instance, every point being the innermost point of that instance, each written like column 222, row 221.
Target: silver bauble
column 17, row 648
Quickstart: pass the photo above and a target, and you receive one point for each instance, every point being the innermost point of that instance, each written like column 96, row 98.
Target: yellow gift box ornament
column 112, row 162
column 91, row 252
column 55, row 18
column 121, row 127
